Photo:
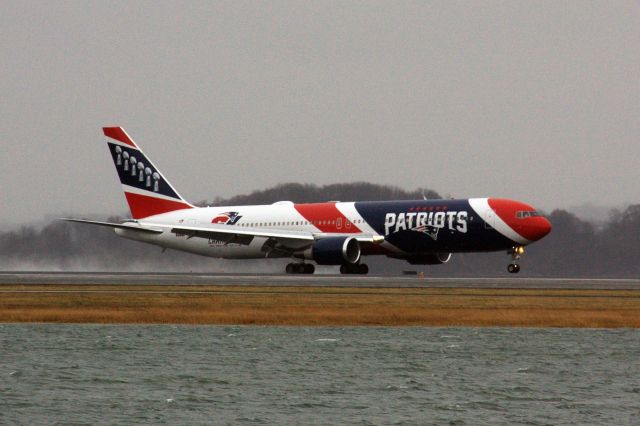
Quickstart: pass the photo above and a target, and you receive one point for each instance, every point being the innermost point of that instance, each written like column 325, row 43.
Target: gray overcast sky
column 538, row 101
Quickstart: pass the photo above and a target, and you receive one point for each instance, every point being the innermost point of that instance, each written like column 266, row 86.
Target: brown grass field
column 318, row 306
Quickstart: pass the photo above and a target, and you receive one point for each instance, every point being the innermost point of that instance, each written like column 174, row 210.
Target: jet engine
column 429, row 259
column 335, row 251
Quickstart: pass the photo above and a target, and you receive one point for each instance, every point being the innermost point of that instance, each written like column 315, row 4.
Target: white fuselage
column 273, row 217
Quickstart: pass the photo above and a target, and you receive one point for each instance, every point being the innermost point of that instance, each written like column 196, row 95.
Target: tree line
column 575, row 247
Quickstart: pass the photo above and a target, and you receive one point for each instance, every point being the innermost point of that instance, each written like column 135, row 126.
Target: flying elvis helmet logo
column 227, row 218
column 431, row 231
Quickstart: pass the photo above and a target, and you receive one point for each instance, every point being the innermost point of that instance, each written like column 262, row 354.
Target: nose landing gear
column 515, row 252
column 513, row 268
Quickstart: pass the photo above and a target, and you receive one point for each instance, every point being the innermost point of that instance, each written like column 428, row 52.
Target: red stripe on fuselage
column 118, row 134
column 326, row 217
column 142, row 206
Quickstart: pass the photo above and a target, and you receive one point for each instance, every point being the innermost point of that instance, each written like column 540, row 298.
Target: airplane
column 420, row 232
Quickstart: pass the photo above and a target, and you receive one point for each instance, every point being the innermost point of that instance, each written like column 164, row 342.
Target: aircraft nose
column 521, row 222
column 538, row 227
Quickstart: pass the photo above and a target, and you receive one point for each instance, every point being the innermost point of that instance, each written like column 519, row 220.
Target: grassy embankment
column 320, row 306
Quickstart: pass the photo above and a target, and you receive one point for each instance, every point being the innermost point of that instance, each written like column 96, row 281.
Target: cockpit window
column 523, row 214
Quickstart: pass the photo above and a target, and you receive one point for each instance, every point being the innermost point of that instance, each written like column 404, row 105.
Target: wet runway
column 7, row 278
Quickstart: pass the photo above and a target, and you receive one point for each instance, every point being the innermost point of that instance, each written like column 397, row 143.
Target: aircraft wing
column 237, row 235
column 285, row 239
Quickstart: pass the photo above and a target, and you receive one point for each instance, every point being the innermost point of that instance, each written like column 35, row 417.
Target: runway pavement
column 515, row 282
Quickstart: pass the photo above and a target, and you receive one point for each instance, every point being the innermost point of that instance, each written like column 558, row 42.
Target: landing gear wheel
column 300, row 268
column 359, row 269
column 515, row 252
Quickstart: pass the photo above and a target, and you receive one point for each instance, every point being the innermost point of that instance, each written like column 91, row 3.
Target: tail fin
column 147, row 191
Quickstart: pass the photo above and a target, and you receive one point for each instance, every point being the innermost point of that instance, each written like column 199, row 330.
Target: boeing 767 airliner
column 421, row 232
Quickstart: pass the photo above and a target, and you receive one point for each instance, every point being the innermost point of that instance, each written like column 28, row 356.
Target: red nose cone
column 521, row 217
column 537, row 227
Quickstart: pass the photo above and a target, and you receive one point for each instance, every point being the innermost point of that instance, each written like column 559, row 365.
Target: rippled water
column 285, row 375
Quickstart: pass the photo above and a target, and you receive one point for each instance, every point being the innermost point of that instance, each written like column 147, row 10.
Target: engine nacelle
column 429, row 259
column 335, row 251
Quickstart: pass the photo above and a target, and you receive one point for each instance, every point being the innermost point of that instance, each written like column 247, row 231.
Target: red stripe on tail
column 142, row 206
column 118, row 134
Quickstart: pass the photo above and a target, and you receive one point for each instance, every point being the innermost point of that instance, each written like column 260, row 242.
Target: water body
column 102, row 374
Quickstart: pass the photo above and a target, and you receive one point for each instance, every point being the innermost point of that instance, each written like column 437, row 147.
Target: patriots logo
column 431, row 231
column 228, row 218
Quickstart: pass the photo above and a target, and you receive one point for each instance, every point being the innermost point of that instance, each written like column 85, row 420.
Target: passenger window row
column 298, row 223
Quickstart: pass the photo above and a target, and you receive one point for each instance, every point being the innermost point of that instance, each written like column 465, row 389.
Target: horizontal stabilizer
column 132, row 227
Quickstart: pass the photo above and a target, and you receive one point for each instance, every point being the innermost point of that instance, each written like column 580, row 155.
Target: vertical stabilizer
column 147, row 191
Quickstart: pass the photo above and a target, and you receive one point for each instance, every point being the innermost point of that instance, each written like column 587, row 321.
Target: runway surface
column 26, row 278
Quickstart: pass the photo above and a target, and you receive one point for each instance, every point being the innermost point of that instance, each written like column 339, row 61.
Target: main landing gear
column 359, row 269
column 300, row 268
column 308, row 268
column 515, row 252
